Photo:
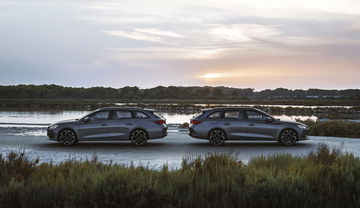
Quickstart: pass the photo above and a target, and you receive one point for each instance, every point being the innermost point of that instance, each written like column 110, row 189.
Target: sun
column 212, row 76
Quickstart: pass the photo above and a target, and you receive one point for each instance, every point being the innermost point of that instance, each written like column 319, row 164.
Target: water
column 280, row 106
column 44, row 118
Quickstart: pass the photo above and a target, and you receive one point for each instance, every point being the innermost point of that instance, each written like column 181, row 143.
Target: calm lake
column 34, row 118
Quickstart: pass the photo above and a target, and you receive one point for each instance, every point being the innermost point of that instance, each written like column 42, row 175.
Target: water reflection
column 47, row 117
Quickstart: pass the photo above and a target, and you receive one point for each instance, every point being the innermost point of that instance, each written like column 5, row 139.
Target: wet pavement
column 171, row 149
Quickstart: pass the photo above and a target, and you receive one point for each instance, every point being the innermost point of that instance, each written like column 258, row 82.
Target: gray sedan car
column 110, row 123
column 220, row 124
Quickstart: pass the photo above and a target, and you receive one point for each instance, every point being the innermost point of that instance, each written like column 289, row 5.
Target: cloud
column 168, row 53
column 198, row 37
column 160, row 32
column 244, row 32
column 133, row 35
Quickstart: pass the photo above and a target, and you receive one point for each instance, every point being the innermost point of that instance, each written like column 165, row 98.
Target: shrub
column 323, row 178
column 335, row 128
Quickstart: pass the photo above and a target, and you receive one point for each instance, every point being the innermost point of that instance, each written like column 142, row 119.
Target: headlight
column 302, row 126
column 52, row 127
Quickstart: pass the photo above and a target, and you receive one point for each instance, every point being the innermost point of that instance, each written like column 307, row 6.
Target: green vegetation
column 336, row 128
column 324, row 178
column 171, row 92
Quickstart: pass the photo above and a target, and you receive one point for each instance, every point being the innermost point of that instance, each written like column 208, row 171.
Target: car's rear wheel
column 217, row 137
column 139, row 137
column 67, row 137
column 288, row 137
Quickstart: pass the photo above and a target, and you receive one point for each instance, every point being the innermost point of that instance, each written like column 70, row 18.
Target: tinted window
column 101, row 115
column 122, row 114
column 198, row 115
column 255, row 115
column 157, row 115
column 138, row 114
column 217, row 114
column 234, row 114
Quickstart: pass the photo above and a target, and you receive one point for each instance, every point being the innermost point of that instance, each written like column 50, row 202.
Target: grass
column 323, row 178
column 335, row 128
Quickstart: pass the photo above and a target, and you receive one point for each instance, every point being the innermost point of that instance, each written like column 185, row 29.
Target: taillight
column 195, row 122
column 160, row 122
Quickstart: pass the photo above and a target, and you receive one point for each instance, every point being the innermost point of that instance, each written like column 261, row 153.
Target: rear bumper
column 194, row 134
column 158, row 135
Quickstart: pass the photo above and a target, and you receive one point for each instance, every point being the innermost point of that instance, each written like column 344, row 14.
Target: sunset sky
column 239, row 43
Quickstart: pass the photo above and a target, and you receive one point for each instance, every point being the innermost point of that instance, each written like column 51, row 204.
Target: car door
column 235, row 124
column 94, row 126
column 259, row 126
column 120, row 124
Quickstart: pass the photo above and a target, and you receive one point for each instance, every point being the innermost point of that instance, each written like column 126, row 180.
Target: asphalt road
column 171, row 149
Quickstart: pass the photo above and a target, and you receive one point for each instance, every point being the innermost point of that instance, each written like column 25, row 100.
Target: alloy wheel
column 138, row 137
column 217, row 137
column 288, row 137
column 67, row 137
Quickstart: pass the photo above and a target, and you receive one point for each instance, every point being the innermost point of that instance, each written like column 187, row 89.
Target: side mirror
column 86, row 119
column 269, row 119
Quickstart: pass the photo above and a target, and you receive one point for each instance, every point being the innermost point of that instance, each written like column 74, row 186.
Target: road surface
column 171, row 149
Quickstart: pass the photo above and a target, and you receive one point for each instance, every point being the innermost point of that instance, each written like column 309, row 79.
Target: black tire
column 217, row 137
column 288, row 137
column 67, row 137
column 138, row 137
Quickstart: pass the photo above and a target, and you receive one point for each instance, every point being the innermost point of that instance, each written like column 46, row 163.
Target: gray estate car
column 110, row 123
column 220, row 124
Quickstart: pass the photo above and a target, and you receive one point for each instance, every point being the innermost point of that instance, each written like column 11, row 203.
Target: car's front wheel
column 217, row 137
column 288, row 137
column 67, row 137
column 139, row 137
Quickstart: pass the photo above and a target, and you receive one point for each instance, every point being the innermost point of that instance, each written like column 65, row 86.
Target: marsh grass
column 323, row 178
column 336, row 128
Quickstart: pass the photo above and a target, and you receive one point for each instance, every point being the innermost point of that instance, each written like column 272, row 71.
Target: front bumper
column 51, row 134
column 304, row 135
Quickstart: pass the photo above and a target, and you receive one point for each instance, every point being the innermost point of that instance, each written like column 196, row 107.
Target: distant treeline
column 171, row 92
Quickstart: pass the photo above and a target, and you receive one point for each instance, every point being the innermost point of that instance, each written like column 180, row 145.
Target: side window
column 234, row 115
column 138, row 114
column 255, row 115
column 102, row 115
column 217, row 114
column 122, row 114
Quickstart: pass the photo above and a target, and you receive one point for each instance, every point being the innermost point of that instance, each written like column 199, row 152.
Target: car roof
column 229, row 108
column 125, row 108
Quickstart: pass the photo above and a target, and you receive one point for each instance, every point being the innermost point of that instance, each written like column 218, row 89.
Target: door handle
column 226, row 124
column 251, row 124
column 128, row 124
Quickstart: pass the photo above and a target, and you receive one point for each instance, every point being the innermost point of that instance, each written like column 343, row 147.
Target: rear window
column 198, row 115
column 157, row 115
